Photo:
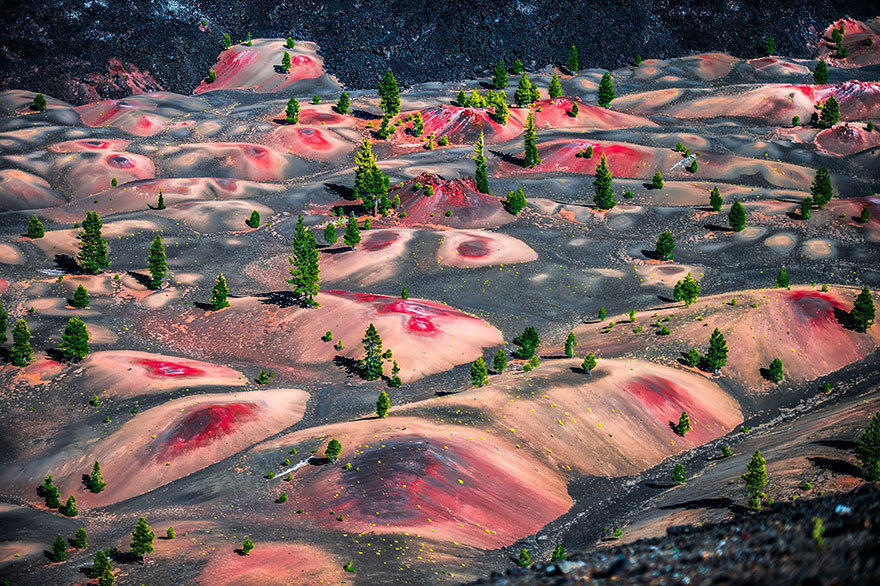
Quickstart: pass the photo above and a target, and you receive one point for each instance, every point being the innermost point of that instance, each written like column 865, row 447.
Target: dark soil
column 64, row 47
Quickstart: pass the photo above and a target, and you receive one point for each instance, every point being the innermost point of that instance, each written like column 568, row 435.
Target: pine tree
column 737, row 216
column 769, row 45
column 558, row 554
column 389, row 95
column 75, row 340
column 384, row 130
column 248, row 40
column 352, row 235
column 678, row 474
column 227, row 41
column 500, row 111
column 589, row 362
column 821, row 190
column 868, row 449
column 573, row 64
column 657, row 180
column 4, row 324
column 370, row 183
column 523, row 94
column 334, row 449
column 479, row 372
column 684, row 424
column 142, row 539
column 555, row 88
column 370, row 365
column 219, row 293
column 604, row 195
column 776, row 373
column 806, row 207
column 515, row 202
column 462, row 100
column 20, row 353
column 35, row 228
column 254, row 220
column 665, row 246
column 782, row 279
column 81, row 538
column 418, row 124
column 524, row 560
column 531, row 146
column 210, row 78
column 830, row 113
column 246, row 546
column 80, row 298
column 716, row 355
column 517, row 68
column 820, row 73
column 528, row 342
column 39, row 103
column 864, row 215
column 101, row 563
column 863, row 313
column 160, row 204
column 395, row 381
column 383, row 403
column 285, row 62
column 481, row 175
column 755, row 479
column 289, row 43
column 499, row 361
column 92, row 256
column 570, row 343
column 59, row 550
column 606, row 90
column 344, row 103
column 500, row 79
column 69, row 509
column 686, row 290
column 156, row 262
column 96, row 479
column 50, row 492
column 304, row 271
column 330, row 234
column 169, row 533
column 291, row 112
column 575, row 109
column 715, row 199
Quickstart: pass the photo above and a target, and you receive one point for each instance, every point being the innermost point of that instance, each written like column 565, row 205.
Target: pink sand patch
column 469, row 208
column 255, row 67
column 276, row 563
column 463, row 125
column 422, row 313
column 379, row 240
column 479, row 248
column 162, row 368
column 203, row 427
column 665, row 400
column 89, row 144
column 846, row 139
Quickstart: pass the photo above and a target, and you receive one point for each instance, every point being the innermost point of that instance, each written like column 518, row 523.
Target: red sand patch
column 554, row 114
column 247, row 161
column 666, row 400
column 204, row 426
column 463, row 125
column 478, row 248
column 469, row 208
column 279, row 563
column 846, row 139
column 162, row 368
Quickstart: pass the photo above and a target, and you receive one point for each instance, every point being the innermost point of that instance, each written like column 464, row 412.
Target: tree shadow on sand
column 349, row 365
column 836, row 466
column 68, row 264
column 718, row 503
column 513, row 160
column 282, row 299
column 837, row 444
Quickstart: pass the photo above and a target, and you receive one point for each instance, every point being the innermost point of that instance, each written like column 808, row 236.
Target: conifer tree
column 462, row 100
column 575, row 109
column 678, row 474
column 92, row 256
column 370, row 183
column 806, row 207
column 343, row 103
column 248, row 40
column 868, row 449
column 389, row 95
column 531, row 146
column 500, row 111
column 686, row 290
column 210, row 78
column 169, row 533
column 96, row 479
column 517, row 68
column 39, row 103
column 81, row 538
column 665, row 246
column 523, row 96
column 573, row 64
column 500, row 79
column 384, row 130
column 821, row 190
column 101, row 563
column 142, row 539
column 75, row 340
column 304, row 269
column 334, row 449
column 715, row 199
column 864, row 215
column 863, row 313
column 535, row 93
column 820, row 73
column 528, row 342
column 227, row 41
column 589, row 362
column 35, row 228
column 69, row 509
column 830, row 113
column 499, row 361
column 289, row 43
column 716, row 355
column 657, row 180
column 330, row 234
column 160, row 204
column 782, row 279
column 769, row 45
column 370, row 365
column 291, row 112
column 684, row 424
column 246, row 546
column 80, row 298
column 606, row 90
column 219, row 293
column 352, row 235
column 59, row 550
column 4, row 324
column 524, row 560
column 755, row 479
column 285, row 62
column 383, row 403
column 737, row 216
column 515, row 202
column 481, row 175
column 395, row 381
column 604, row 195
column 479, row 372
column 20, row 353
column 50, row 492
column 554, row 90
column 570, row 343
column 157, row 263
column 254, row 220
column 418, row 125
column 776, row 372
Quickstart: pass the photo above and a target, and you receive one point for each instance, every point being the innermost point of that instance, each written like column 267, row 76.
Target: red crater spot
column 314, row 139
column 422, row 313
column 204, row 426
column 162, row 368
column 473, row 248
column 665, row 401
column 316, row 117
column 120, row 162
column 254, row 151
column 379, row 241
column 814, row 308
